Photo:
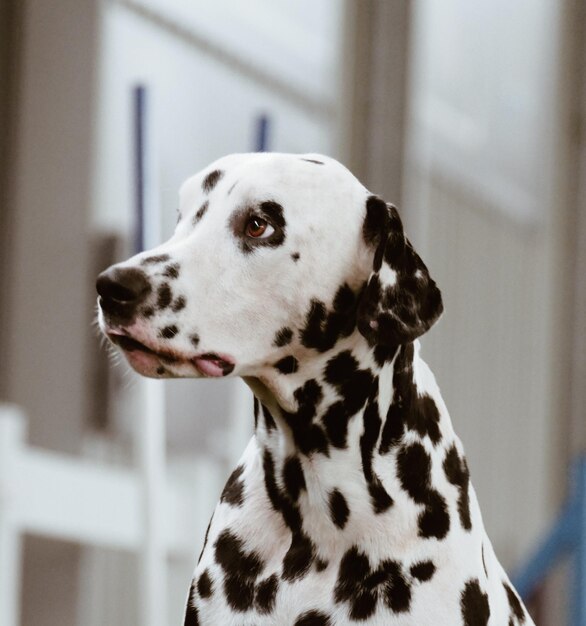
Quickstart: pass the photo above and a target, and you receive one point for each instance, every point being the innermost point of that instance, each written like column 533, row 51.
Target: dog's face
column 270, row 259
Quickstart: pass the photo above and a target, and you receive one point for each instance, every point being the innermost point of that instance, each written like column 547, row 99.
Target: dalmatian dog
column 352, row 503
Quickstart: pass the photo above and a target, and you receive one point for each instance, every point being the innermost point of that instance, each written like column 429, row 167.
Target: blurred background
column 467, row 114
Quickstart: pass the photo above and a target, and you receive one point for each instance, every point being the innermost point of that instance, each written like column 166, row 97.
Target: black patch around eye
column 313, row 161
column 151, row 260
column 270, row 211
column 211, row 180
column 200, row 212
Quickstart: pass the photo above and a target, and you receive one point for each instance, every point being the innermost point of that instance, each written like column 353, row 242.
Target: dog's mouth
column 139, row 355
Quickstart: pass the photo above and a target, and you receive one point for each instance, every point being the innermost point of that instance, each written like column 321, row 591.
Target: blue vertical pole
column 262, row 134
column 139, row 104
column 579, row 573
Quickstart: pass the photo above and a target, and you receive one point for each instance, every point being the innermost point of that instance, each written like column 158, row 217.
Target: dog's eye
column 257, row 228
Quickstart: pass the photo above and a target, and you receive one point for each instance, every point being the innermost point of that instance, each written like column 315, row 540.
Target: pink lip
column 209, row 364
column 213, row 365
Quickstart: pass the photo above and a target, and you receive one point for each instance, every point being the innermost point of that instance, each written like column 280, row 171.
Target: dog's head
column 274, row 256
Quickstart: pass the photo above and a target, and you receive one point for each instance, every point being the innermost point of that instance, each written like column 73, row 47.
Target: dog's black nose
column 122, row 289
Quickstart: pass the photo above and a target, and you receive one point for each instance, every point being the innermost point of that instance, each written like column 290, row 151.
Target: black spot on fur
column 287, row 365
column 161, row 370
column 211, row 180
column 324, row 328
column 295, row 256
column 172, row 270
column 320, row 565
column 408, row 409
column 474, row 605
column 233, row 492
column 153, row 260
column 309, row 437
column 414, row 472
column 283, row 337
column 313, row 161
column 336, row 421
column 352, row 384
column 148, row 312
column 423, row 570
column 269, row 420
column 204, row 585
column 456, row 470
column 194, row 339
column 313, row 618
column 241, row 569
column 380, row 499
column 266, row 594
column 361, row 587
column 191, row 616
column 168, row 332
column 515, row 604
column 200, row 212
column 256, row 410
column 299, row 557
column 164, row 296
column 178, row 304
column 339, row 510
column 293, row 477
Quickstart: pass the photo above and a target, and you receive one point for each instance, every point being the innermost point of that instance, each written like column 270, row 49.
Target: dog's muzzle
column 122, row 290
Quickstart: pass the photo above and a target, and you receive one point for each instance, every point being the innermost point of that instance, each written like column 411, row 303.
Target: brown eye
column 257, row 228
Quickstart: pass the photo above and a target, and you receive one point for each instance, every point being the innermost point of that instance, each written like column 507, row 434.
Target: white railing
column 147, row 509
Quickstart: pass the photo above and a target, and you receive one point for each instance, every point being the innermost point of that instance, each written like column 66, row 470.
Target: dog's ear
column 400, row 301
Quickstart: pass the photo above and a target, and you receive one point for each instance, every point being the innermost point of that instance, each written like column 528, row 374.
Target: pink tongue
column 209, row 367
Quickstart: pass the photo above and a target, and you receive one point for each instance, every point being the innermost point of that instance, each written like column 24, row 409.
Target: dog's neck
column 349, row 437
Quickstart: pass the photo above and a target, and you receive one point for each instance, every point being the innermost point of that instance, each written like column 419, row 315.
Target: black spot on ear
column 191, row 616
column 313, row 618
column 164, row 296
column 204, row 585
column 287, row 365
column 314, row 161
column 200, row 212
column 168, row 332
column 283, row 337
column 295, row 256
column 456, row 470
column 211, row 180
column 514, row 603
column 339, row 510
column 172, row 270
column 194, row 339
column 153, row 260
column 293, row 477
column 266, row 594
column 233, row 492
column 474, row 605
column 423, row 571
column 376, row 222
